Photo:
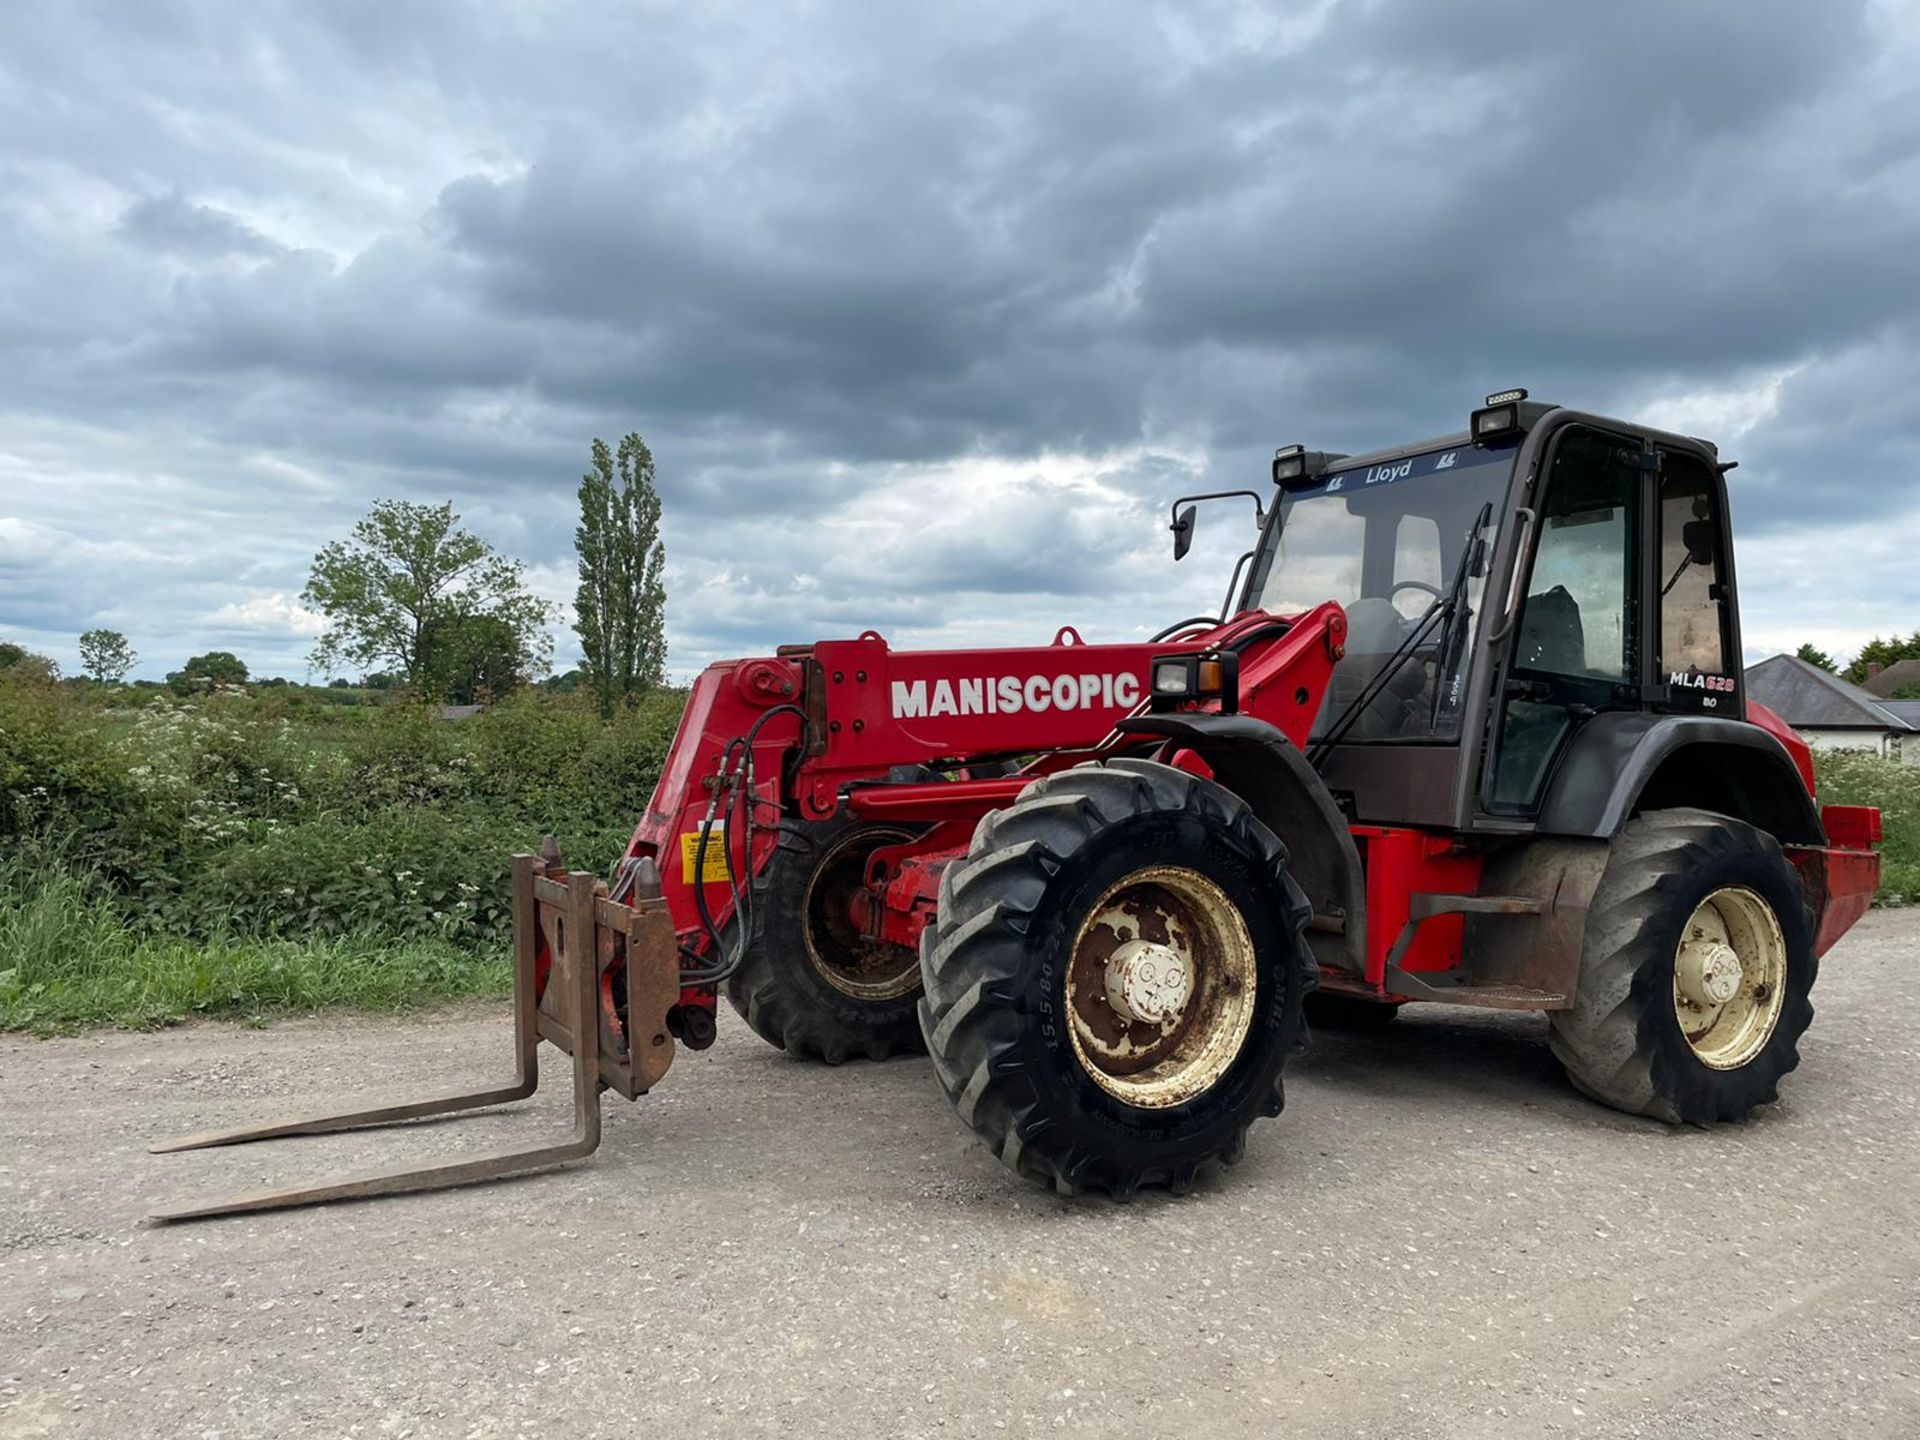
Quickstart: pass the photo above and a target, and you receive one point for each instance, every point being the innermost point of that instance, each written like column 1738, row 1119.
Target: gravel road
column 1438, row 1238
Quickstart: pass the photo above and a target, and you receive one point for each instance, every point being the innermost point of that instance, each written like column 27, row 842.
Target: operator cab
column 1504, row 587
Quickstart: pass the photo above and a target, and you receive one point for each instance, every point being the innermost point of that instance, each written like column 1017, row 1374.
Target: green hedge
column 162, row 857
column 1852, row 777
column 244, row 824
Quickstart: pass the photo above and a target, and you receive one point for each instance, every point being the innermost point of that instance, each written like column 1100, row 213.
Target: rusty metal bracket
column 1524, row 935
column 583, row 936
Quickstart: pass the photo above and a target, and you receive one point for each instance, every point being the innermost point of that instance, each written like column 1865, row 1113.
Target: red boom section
column 828, row 722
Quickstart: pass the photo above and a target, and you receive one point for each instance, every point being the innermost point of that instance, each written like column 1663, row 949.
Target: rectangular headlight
column 1173, row 677
column 1496, row 420
column 1289, row 463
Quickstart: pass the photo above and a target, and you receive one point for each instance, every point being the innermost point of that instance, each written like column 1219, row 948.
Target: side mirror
column 1182, row 528
column 1698, row 537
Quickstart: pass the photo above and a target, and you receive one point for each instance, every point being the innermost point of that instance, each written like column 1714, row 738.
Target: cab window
column 1580, row 597
column 1575, row 649
column 1693, row 595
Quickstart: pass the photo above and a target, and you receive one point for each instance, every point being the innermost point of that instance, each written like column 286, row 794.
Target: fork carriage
column 603, row 1003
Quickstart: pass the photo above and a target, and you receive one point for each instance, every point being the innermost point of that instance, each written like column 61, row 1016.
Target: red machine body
column 933, row 740
column 861, row 713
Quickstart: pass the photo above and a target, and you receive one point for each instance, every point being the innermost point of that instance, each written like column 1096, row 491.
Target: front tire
column 809, row 983
column 1695, row 974
column 1114, row 980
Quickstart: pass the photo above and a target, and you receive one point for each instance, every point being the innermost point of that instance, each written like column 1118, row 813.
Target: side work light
column 1296, row 467
column 1214, row 675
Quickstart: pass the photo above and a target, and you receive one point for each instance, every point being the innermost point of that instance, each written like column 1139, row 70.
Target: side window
column 1693, row 621
column 1575, row 646
column 1578, row 613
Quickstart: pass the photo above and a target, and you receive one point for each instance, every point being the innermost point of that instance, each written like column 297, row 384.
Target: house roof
column 1809, row 698
column 1907, row 710
column 1901, row 672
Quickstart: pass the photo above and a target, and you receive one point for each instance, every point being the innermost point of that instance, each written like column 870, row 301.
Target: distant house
column 1883, row 680
column 1830, row 714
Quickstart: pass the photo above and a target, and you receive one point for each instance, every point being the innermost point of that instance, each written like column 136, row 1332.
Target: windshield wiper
column 1453, row 641
column 1445, row 607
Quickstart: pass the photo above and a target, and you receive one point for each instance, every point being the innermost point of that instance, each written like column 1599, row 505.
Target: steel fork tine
column 349, row 1119
column 579, row 999
column 395, row 1182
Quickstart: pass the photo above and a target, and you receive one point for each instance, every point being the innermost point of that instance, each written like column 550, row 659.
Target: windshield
column 1386, row 541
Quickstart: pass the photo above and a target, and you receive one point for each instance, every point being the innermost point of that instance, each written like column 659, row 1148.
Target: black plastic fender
column 1622, row 762
column 1259, row 763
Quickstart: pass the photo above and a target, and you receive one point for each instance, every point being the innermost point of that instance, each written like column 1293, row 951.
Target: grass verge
column 68, row 962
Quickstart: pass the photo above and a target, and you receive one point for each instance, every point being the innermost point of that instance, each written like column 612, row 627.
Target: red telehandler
column 1469, row 729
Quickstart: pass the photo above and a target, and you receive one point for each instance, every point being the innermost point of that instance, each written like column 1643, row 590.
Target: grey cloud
column 169, row 224
column 268, row 269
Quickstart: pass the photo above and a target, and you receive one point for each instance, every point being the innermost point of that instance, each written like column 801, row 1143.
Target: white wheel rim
column 1160, row 987
column 1729, row 978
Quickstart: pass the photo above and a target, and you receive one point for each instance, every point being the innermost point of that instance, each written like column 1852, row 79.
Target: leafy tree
column 203, row 672
column 471, row 659
column 407, row 570
column 106, row 655
column 1815, row 656
column 620, row 610
column 21, row 663
column 1883, row 653
column 223, row 667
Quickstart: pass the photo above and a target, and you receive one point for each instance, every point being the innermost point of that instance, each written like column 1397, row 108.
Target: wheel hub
column 1707, row 972
column 1149, row 983
column 835, row 904
column 1729, row 977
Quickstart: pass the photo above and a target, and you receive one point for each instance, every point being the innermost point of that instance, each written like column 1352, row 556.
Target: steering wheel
column 1398, row 586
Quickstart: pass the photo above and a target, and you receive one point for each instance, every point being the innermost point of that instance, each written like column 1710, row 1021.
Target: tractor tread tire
column 1620, row 1043
column 974, row 957
column 776, row 991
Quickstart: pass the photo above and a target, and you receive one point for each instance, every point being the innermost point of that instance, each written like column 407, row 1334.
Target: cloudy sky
column 926, row 313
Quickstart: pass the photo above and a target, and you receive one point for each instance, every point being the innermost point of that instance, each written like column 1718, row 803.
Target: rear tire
column 1719, row 888
column 1084, row 1099
column 808, row 985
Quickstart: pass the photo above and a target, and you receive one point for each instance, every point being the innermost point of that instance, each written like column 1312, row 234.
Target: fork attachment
column 570, row 945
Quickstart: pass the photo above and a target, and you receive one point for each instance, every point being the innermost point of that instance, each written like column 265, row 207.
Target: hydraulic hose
column 736, row 782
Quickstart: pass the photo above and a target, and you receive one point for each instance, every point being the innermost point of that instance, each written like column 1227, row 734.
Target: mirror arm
column 1259, row 510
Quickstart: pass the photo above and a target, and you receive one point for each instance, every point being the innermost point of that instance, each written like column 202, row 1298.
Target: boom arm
column 865, row 710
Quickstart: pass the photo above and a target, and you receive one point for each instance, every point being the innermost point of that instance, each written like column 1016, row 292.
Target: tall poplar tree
column 620, row 610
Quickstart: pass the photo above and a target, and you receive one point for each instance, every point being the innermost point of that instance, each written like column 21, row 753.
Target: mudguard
column 1260, row 764
column 1619, row 763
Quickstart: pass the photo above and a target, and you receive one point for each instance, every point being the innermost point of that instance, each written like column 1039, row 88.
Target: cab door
column 1575, row 644
column 1696, row 667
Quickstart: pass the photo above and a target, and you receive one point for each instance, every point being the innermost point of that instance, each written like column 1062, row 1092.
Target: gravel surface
column 1438, row 1238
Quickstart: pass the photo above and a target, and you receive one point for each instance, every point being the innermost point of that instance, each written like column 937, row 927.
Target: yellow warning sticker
column 716, row 870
